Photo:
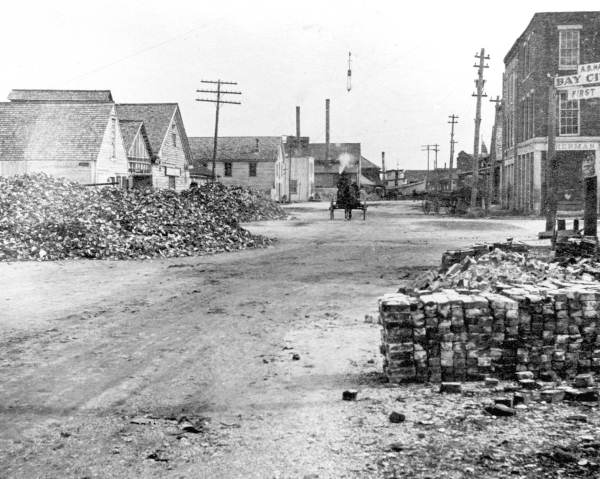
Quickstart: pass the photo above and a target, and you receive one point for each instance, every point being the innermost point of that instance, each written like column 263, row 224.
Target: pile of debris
column 46, row 218
column 493, row 270
column 243, row 203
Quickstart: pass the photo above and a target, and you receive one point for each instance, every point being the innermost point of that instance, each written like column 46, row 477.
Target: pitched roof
column 86, row 96
column 339, row 153
column 130, row 129
column 366, row 164
column 52, row 131
column 156, row 118
column 236, row 148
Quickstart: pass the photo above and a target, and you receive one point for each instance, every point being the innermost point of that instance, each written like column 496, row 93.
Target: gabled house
column 168, row 141
column 139, row 152
column 253, row 161
column 76, row 139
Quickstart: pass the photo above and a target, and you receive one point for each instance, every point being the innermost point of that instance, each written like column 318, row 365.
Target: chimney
column 297, row 122
column 327, row 129
column 256, row 149
column 383, row 165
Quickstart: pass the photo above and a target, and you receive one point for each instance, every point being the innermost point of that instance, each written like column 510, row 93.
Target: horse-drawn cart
column 348, row 207
column 451, row 202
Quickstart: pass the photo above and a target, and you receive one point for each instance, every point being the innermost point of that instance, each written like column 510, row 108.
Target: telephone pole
column 479, row 83
column 436, row 148
column 453, row 121
column 427, row 148
column 218, row 101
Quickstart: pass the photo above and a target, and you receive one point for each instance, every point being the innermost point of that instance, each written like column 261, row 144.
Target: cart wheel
column 426, row 205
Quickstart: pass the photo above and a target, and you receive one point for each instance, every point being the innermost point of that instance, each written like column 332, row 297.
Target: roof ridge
column 148, row 103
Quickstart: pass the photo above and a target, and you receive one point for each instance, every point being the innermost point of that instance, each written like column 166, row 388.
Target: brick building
column 552, row 44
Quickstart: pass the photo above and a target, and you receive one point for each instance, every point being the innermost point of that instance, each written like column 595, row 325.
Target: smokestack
column 298, row 122
column 383, row 165
column 327, row 129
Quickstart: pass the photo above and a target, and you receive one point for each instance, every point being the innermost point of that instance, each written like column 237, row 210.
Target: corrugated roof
column 236, row 148
column 52, row 131
column 86, row 96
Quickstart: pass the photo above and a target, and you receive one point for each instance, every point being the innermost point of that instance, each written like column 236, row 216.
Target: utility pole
column 453, row 121
column 383, row 168
column 479, row 83
column 427, row 148
column 436, row 177
column 218, row 101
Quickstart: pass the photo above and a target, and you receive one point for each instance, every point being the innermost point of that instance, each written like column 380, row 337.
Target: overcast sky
column 412, row 62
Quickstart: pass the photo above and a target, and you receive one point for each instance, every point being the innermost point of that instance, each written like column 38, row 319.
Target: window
column 251, row 169
column 174, row 136
column 568, row 49
column 227, row 169
column 569, row 115
column 293, row 187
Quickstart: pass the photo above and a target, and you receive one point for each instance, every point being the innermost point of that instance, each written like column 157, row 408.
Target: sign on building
column 583, row 78
column 583, row 93
column 588, row 165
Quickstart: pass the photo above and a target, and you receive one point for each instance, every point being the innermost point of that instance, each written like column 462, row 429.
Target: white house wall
column 106, row 165
column 171, row 157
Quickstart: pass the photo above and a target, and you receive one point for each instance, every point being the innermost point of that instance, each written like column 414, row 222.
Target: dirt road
column 99, row 360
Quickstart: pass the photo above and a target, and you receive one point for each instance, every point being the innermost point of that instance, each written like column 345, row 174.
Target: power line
column 134, row 54
column 218, row 102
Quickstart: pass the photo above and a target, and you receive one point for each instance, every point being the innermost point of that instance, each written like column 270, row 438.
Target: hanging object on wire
column 349, row 81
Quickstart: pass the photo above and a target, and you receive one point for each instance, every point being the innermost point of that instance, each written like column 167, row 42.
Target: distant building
column 168, row 141
column 300, row 184
column 78, row 138
column 552, row 44
column 342, row 157
column 253, row 161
